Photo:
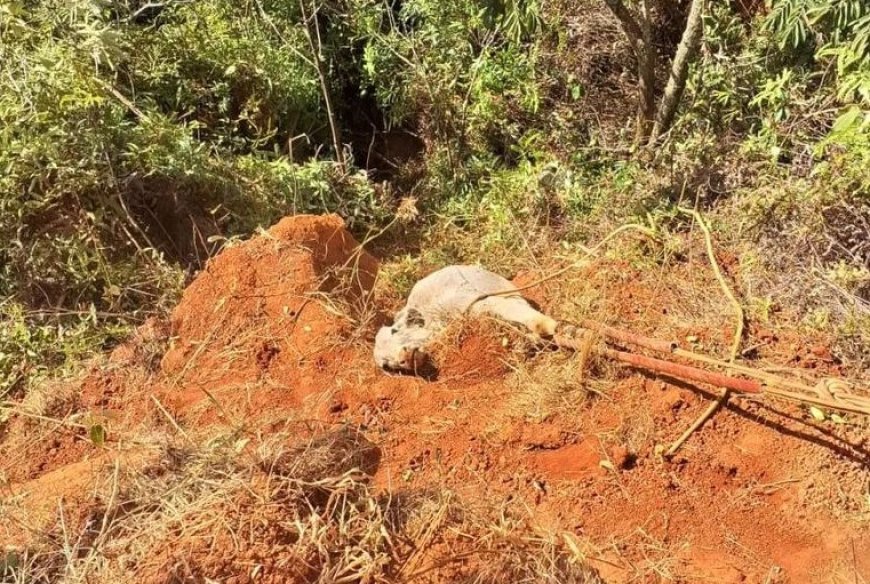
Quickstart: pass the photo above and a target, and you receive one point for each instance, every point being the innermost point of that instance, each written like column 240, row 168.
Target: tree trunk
column 639, row 36
column 646, row 69
column 646, row 110
column 686, row 52
column 317, row 57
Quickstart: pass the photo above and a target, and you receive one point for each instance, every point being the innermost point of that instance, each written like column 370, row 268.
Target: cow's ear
column 414, row 318
column 399, row 320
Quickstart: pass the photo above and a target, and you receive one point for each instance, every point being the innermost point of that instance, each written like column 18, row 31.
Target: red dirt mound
column 275, row 305
column 267, row 337
column 474, row 351
column 264, row 288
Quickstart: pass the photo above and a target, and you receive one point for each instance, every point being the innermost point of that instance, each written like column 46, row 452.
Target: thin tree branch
column 686, row 51
column 317, row 54
column 740, row 318
column 627, row 23
column 268, row 19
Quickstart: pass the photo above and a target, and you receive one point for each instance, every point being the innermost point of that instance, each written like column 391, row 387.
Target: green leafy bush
column 135, row 136
column 131, row 135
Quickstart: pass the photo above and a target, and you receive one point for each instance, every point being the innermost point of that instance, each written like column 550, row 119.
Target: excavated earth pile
column 278, row 310
column 274, row 337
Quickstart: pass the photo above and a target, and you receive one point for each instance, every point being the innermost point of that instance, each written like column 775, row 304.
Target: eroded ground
column 273, row 339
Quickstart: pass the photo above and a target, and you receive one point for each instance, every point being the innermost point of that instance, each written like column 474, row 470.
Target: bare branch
column 628, row 23
column 268, row 19
column 149, row 5
column 121, row 98
column 639, row 35
column 679, row 71
column 310, row 19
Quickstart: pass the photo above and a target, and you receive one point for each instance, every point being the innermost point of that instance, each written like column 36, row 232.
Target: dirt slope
column 277, row 331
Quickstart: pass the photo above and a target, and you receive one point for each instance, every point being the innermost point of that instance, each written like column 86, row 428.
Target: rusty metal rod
column 774, row 385
column 628, row 337
column 685, row 371
column 673, row 348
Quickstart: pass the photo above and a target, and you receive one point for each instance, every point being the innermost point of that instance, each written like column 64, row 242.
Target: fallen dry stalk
column 714, row 407
column 738, row 332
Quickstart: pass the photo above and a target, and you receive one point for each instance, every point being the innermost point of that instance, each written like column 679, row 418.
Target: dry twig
column 572, row 266
column 735, row 345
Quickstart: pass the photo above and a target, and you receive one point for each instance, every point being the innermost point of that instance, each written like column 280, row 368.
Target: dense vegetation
column 135, row 137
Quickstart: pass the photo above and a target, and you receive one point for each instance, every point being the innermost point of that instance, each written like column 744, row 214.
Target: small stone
column 821, row 351
column 337, row 406
column 673, row 399
column 621, row 457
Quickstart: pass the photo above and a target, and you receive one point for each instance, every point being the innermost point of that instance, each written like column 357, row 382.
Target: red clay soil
column 268, row 320
column 268, row 333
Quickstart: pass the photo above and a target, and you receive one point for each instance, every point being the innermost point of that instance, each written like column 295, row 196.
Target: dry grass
column 298, row 505
column 636, row 429
column 810, row 259
column 48, row 409
column 555, row 384
column 295, row 507
column 489, row 544
column 305, row 505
